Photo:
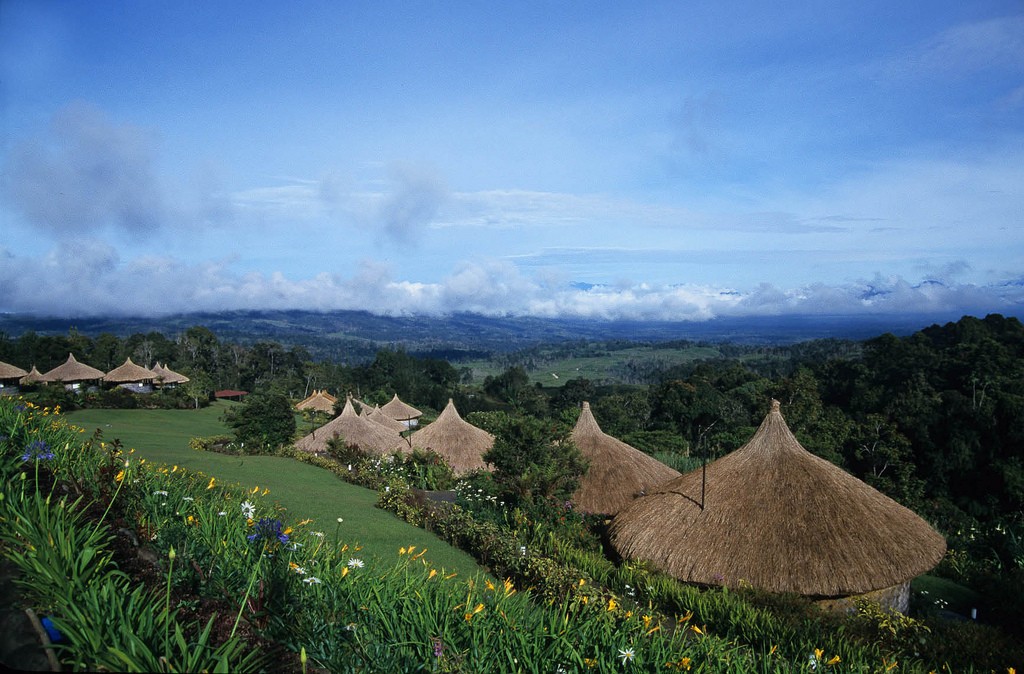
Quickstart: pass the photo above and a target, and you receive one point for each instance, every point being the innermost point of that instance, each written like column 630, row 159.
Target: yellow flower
column 213, row 482
column 686, row 618
column 509, row 589
column 834, row 660
column 582, row 583
column 401, row 552
column 264, row 492
column 433, row 572
column 647, row 620
column 190, row 520
column 696, row 629
column 490, row 585
column 653, row 630
column 119, row 476
column 255, row 489
column 612, row 605
column 479, row 607
column 344, row 572
column 303, row 523
column 684, row 663
column 590, row 662
column 419, row 554
column 818, row 653
column 585, row 599
column 774, row 648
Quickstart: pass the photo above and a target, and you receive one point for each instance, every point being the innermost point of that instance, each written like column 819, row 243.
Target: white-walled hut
column 10, row 377
column 400, row 411
column 73, row 374
column 354, row 430
column 776, row 517
column 618, row 472
column 131, row 377
column 459, row 442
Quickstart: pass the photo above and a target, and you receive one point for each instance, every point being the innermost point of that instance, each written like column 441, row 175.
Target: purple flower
column 267, row 529
column 37, row 450
column 438, row 647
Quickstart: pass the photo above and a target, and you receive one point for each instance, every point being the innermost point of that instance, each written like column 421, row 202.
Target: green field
column 161, row 436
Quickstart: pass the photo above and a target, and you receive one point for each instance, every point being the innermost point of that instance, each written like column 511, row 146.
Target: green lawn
column 161, row 436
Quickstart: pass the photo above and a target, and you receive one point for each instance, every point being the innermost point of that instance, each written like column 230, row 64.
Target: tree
column 534, row 460
column 265, row 421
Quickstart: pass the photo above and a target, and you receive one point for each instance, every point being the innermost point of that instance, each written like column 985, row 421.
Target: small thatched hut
column 10, row 376
column 72, row 373
column 400, row 411
column 777, row 517
column 618, row 473
column 319, row 401
column 460, row 443
column 375, row 415
column 33, row 377
column 168, row 377
column 131, row 376
column 354, row 430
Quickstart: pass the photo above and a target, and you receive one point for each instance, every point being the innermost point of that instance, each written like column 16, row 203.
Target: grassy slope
column 162, row 436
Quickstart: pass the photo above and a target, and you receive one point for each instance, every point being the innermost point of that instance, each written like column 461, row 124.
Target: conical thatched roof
column 369, row 437
column 375, row 415
column 165, row 375
column 72, row 371
column 400, row 411
column 460, row 443
column 33, row 377
column 321, row 401
column 779, row 518
column 618, row 473
column 11, row 371
column 129, row 372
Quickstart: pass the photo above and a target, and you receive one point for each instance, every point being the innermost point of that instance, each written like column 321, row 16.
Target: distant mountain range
column 324, row 333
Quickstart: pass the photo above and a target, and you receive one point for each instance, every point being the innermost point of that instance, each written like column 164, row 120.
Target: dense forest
column 934, row 419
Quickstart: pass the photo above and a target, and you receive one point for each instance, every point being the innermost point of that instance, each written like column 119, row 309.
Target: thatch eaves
column 320, row 401
column 72, row 371
column 618, row 472
column 775, row 516
column 354, row 430
column 459, row 442
column 8, row 371
column 400, row 411
column 129, row 372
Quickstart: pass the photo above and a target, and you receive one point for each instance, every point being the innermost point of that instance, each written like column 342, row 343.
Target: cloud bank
column 91, row 278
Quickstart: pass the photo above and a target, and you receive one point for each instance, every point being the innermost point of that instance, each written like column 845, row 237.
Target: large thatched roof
column 400, row 411
column 129, row 372
column 321, row 401
column 369, row 437
column 72, row 371
column 780, row 518
column 375, row 415
column 460, row 443
column 11, row 371
column 165, row 375
column 618, row 473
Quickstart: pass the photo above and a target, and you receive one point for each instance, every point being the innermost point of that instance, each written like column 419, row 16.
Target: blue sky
column 614, row 160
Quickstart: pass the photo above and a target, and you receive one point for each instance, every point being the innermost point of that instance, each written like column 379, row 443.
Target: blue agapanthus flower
column 37, row 450
column 269, row 529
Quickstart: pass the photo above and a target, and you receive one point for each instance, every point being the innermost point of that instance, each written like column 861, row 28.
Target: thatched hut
column 618, row 473
column 400, row 411
column 375, row 415
column 33, row 377
column 318, row 401
column 72, row 373
column 354, row 430
column 131, row 376
column 776, row 517
column 168, row 377
column 459, row 442
column 10, row 376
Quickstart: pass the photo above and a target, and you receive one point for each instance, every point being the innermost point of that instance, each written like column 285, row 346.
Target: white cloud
column 94, row 280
